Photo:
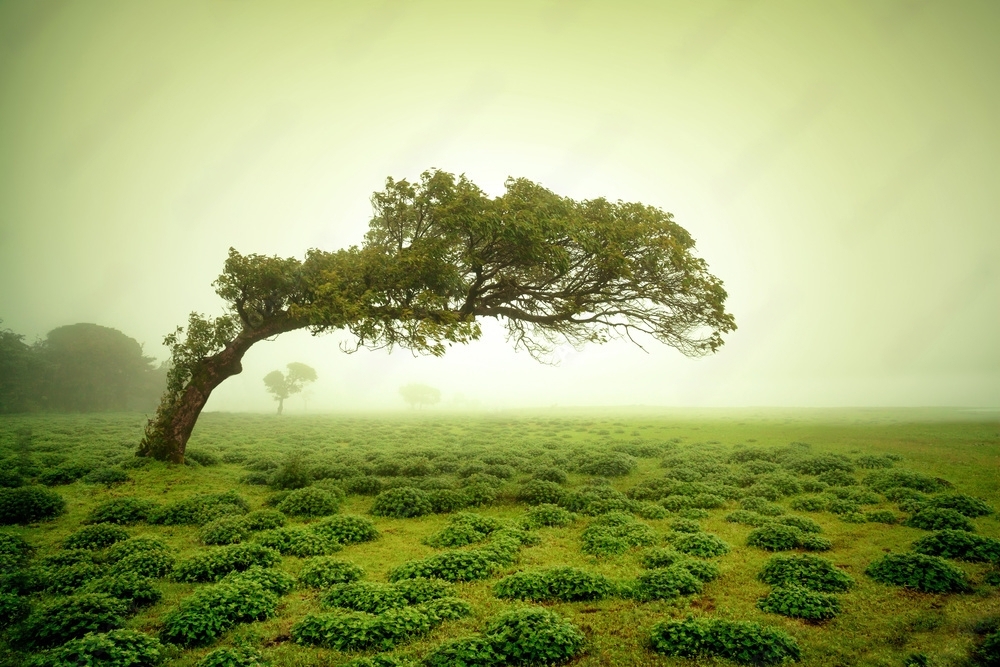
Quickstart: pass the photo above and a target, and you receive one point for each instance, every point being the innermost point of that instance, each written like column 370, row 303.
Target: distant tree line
column 77, row 368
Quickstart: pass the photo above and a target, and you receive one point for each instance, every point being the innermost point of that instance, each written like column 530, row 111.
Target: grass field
column 878, row 624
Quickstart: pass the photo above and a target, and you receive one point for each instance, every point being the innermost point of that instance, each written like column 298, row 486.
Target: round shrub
column 199, row 509
column 539, row 492
column 817, row 465
column 881, row 516
column 548, row 514
column 775, row 537
column 473, row 651
column 479, row 494
column 853, row 517
column 215, row 563
column 742, row 642
column 202, row 457
column 897, row 493
column 764, row 492
column 365, row 485
column 935, row 518
column 444, row 501
column 566, row 584
column 810, row 504
column 967, row 505
column 241, row 656
column 69, row 557
column 960, row 545
column 126, row 510
column 704, row 570
column 153, row 564
column 28, row 504
column 292, row 474
column 401, row 503
column 988, row 652
column 14, row 551
column 12, row 609
column 106, row 476
column 703, row 545
column 707, row 501
column 309, row 501
column 694, row 513
column 837, row 478
column 533, row 636
column 665, row 583
column 264, row 520
column 805, row 524
column 607, row 540
column 69, row 618
column 811, row 542
column 347, row 529
column 550, row 474
column 227, row 530
column 138, row 591
column 928, row 574
column 685, row 526
column 376, row 597
column 117, row 648
column 800, row 602
column 648, row 510
column 747, row 518
column 871, row 462
column 882, row 480
column 470, row 565
column 270, row 579
column 134, row 545
column 211, row 610
column 676, row 503
column 67, row 579
column 611, row 464
column 455, row 536
column 813, row 572
column 297, row 541
column 97, row 536
column 660, row 557
column 324, row 571
column 761, row 506
column 844, row 507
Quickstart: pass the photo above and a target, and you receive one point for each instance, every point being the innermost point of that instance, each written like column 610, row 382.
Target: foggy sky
column 837, row 164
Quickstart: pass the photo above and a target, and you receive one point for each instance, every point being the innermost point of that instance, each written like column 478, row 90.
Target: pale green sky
column 837, row 163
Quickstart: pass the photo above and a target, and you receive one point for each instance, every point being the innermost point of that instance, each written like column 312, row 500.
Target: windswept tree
column 439, row 255
column 419, row 395
column 282, row 385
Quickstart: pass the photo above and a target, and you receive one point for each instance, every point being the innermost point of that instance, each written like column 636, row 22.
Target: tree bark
column 167, row 434
column 281, row 404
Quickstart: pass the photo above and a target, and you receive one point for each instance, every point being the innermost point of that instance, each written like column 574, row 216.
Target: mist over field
column 837, row 165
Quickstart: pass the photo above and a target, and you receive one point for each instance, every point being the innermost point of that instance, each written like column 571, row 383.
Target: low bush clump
column 357, row 631
column 468, row 565
column 236, row 656
column 264, row 520
column 365, row 485
column 872, row 462
column 216, row 563
column 775, row 537
column 928, row 574
column 137, row 590
column 960, row 545
column 97, row 536
column 107, row 476
column 882, row 480
column 444, row 501
column 747, row 518
column 323, row 572
column 14, row 551
column 28, row 504
column 665, row 583
column 742, row 642
column 566, row 584
column 117, row 648
column 212, row 610
column 610, row 464
column 812, row 572
column 703, row 545
column 402, row 503
column 152, row 563
column 12, row 609
column 967, row 505
column 199, row 509
column 805, row 524
column 541, row 492
column 988, row 652
column 685, row 526
column 660, row 557
column 550, row 474
column 800, row 602
column 276, row 581
column 69, row 618
column 475, row 651
column 376, row 597
column 548, row 514
column 227, row 530
column 126, row 510
column 298, row 541
column 937, row 518
column 810, row 504
column 202, row 457
column 881, row 516
column 67, row 579
column 310, row 501
column 347, row 529
column 761, row 506
column 455, row 536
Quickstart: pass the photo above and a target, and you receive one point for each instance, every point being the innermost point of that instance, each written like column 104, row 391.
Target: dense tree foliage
column 419, row 395
column 282, row 385
column 439, row 254
column 77, row 368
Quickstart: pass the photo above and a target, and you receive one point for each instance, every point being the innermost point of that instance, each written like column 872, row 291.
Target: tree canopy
column 439, row 255
column 282, row 385
column 419, row 395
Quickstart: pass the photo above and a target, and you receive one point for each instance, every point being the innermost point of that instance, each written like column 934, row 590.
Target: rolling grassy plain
column 878, row 624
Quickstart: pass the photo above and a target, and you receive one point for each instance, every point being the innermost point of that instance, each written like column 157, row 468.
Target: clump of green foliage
column 609, row 464
column 402, row 503
column 660, row 557
column 216, row 563
column 125, row 510
column 97, row 536
column 14, row 551
column 199, row 509
column 68, row 578
column 236, row 656
column 151, row 563
column 937, row 518
column 742, row 642
column 13, row 608
column 775, row 537
column 541, row 492
column 703, row 545
column 812, row 572
column 747, row 518
column 967, row 505
column 761, row 506
column 928, row 574
column 68, row 618
column 212, row 610
column 800, row 602
column 264, row 520
column 324, row 571
column 357, row 631
column 566, row 584
column 226, row 530
column 665, row 583
column 882, row 480
column 548, row 515
column 28, row 504
column 810, row 504
column 463, row 529
column 117, row 648
column 310, row 501
column 881, row 516
column 615, row 533
column 960, row 545
column 347, row 529
column 377, row 597
column 298, row 541
column 533, row 636
column 135, row 589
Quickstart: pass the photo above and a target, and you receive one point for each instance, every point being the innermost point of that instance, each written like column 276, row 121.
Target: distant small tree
column 419, row 395
column 282, row 385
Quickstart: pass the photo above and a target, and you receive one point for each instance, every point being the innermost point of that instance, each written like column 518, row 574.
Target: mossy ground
column 879, row 625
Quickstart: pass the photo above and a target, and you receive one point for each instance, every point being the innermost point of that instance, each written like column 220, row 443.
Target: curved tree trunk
column 168, row 432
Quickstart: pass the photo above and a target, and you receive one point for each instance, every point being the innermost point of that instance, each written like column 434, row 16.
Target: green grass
column 879, row 625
